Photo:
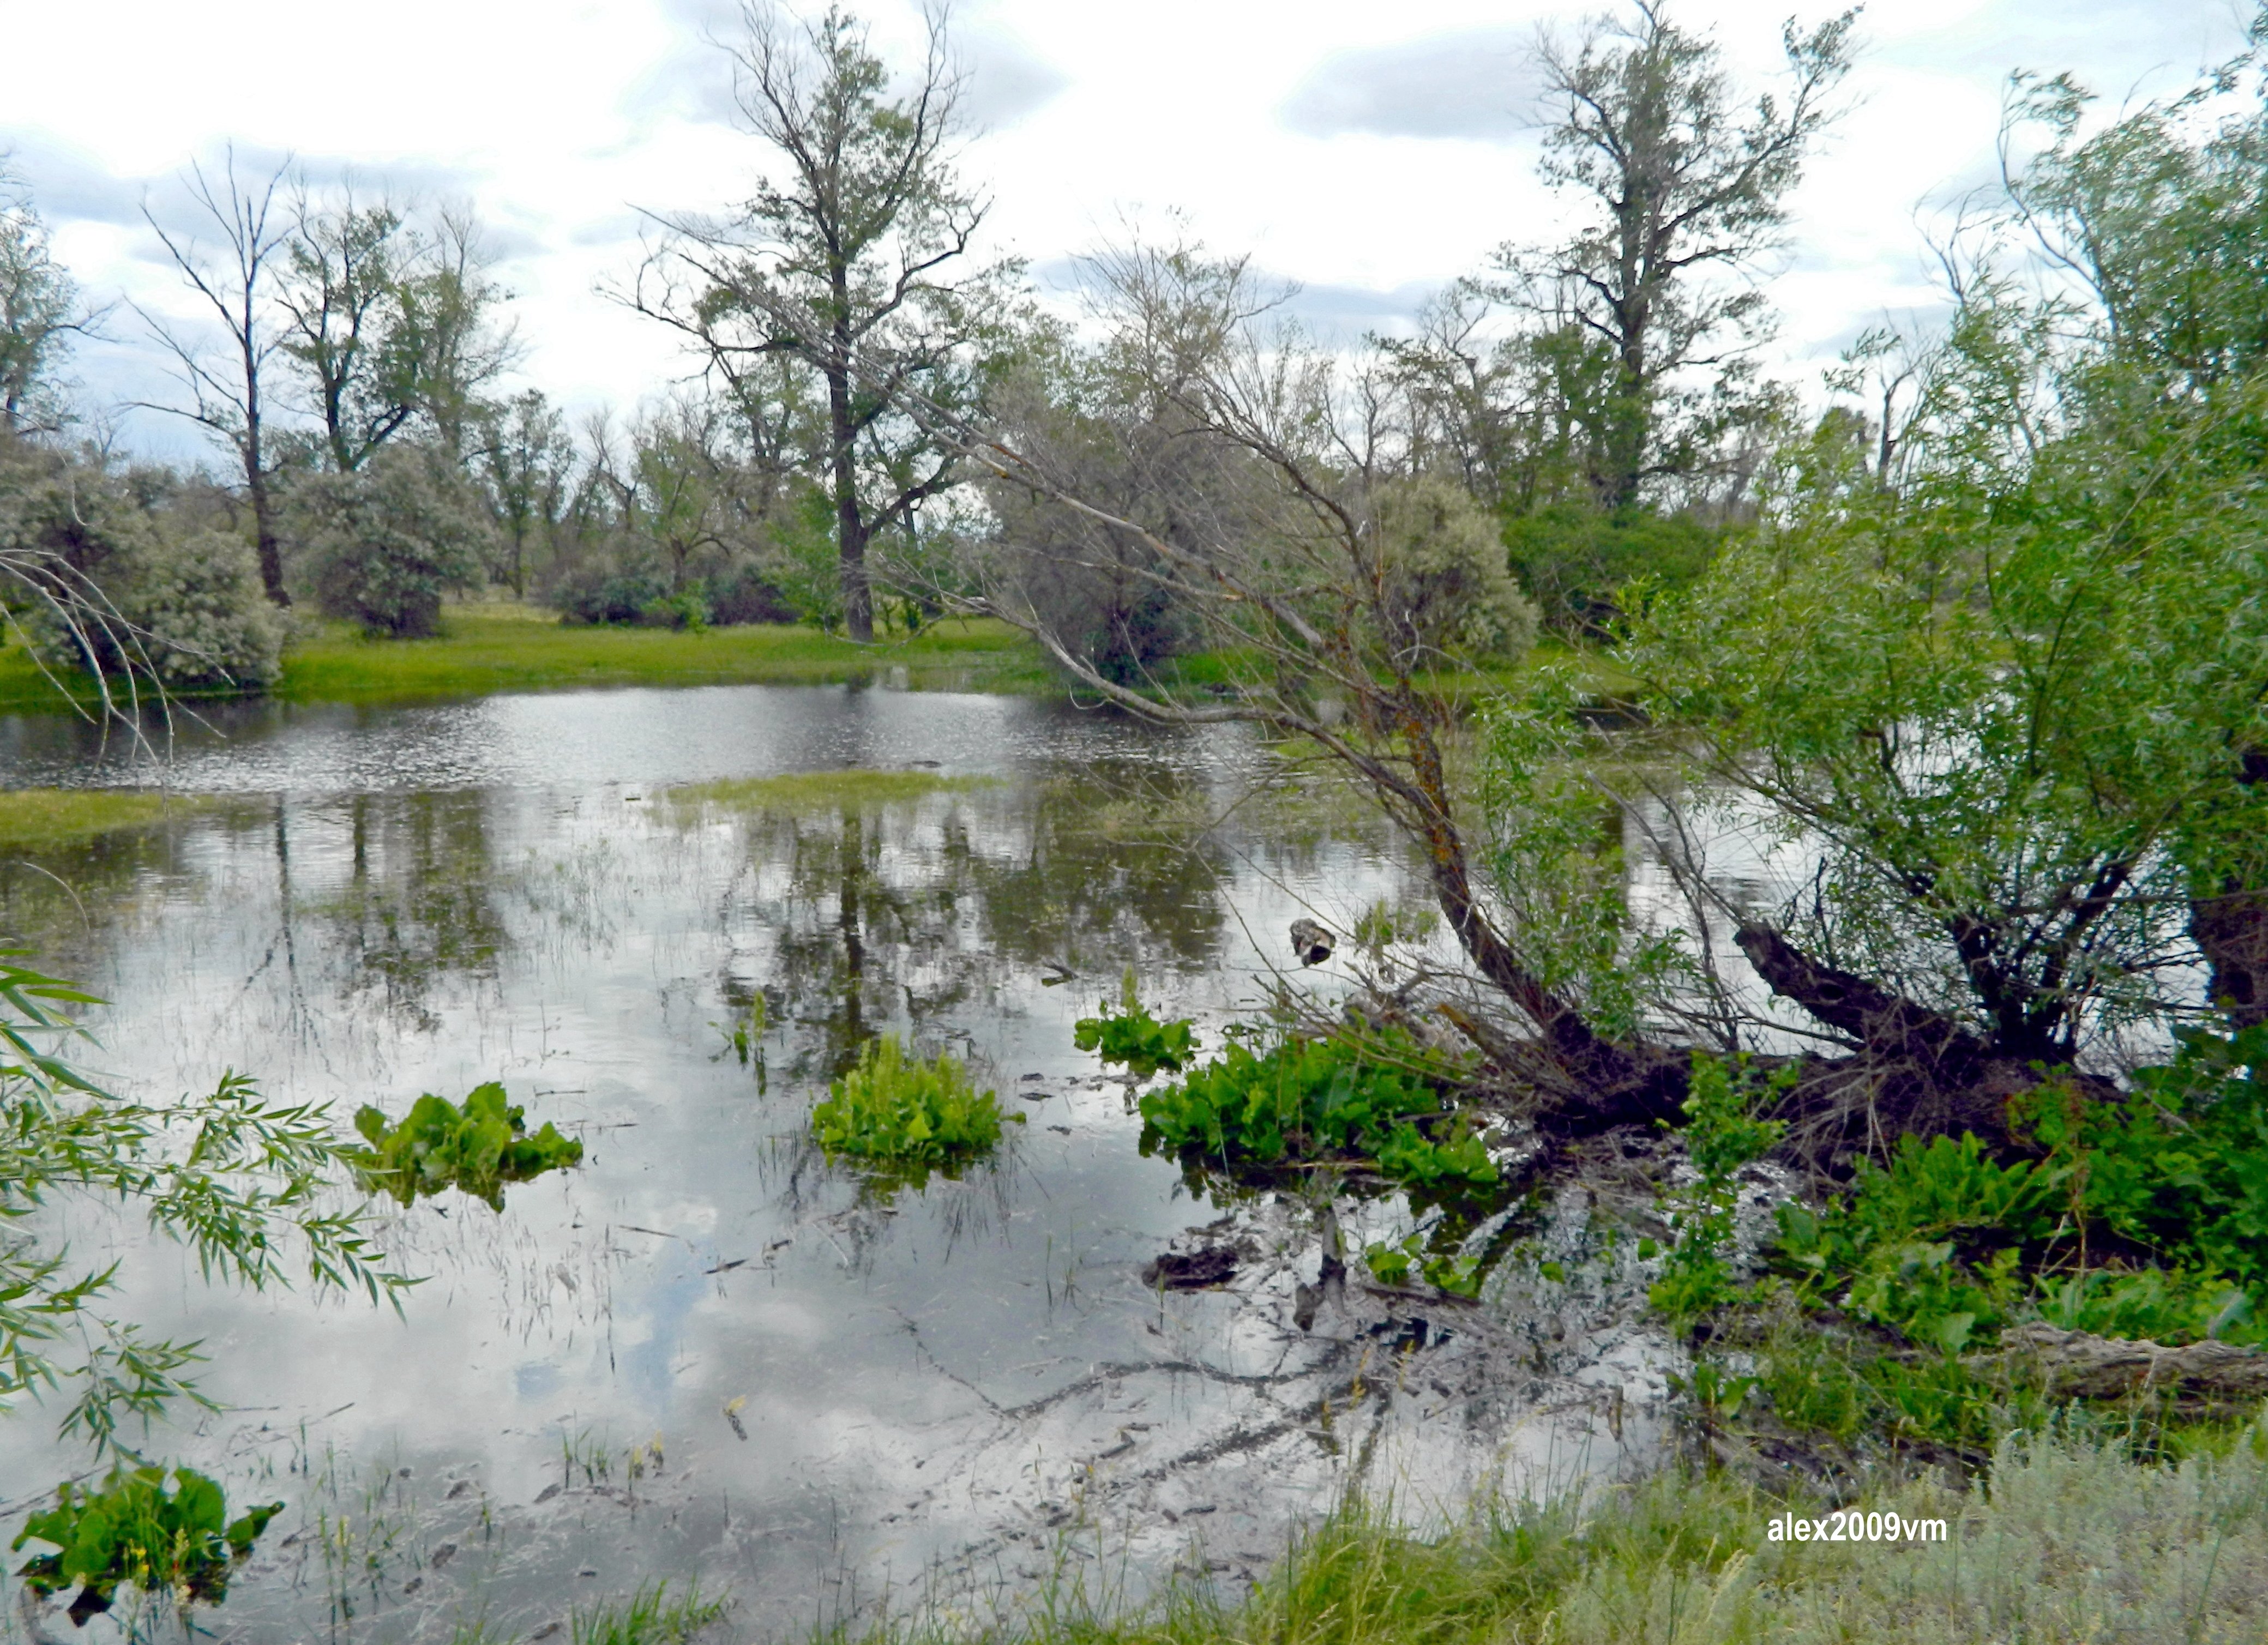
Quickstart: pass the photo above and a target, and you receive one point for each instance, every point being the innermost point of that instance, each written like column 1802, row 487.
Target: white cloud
column 1368, row 152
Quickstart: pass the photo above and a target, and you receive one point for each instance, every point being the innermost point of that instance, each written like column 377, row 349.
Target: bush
column 902, row 1113
column 603, row 596
column 745, row 595
column 1447, row 588
column 386, row 541
column 188, row 608
column 477, row 1148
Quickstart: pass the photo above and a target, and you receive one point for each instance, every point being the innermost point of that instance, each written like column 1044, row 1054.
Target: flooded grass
column 35, row 819
column 821, row 790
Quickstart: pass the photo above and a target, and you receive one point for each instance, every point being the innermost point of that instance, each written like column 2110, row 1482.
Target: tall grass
column 2066, row 1538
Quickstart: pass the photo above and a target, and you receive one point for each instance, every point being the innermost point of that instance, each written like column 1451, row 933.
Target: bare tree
column 1313, row 572
column 855, row 236
column 228, row 387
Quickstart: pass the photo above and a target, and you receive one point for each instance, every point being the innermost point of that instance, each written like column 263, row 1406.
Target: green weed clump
column 478, row 1148
column 135, row 1530
column 821, row 790
column 1377, row 1103
column 43, row 818
column 1134, row 1040
column 2145, row 1218
column 652, row 1616
column 903, row 1112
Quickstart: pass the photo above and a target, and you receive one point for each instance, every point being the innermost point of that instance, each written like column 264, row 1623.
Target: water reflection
column 451, row 912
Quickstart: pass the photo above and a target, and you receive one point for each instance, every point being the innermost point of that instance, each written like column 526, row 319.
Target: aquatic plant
column 650, row 1616
column 1374, row 1102
column 478, row 1148
column 898, row 1110
column 134, row 1530
column 1391, row 1264
column 1133, row 1038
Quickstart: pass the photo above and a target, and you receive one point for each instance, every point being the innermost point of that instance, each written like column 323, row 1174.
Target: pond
column 707, row 1351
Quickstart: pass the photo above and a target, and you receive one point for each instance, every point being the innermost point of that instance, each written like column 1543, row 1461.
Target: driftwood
column 2077, row 1364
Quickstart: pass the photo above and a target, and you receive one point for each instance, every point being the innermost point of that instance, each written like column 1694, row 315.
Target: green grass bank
column 498, row 648
column 43, row 819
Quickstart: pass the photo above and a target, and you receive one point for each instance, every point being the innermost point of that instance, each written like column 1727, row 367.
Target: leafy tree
column 528, row 460
column 844, row 263
column 1681, row 197
column 38, row 313
column 341, row 292
column 1997, row 681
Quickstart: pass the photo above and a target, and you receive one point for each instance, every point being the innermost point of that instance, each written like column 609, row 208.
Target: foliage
column 1447, row 598
column 1576, row 560
column 38, row 313
column 1390, row 1264
column 479, row 1148
column 898, row 1112
column 119, row 590
column 1721, row 1134
column 1135, row 1039
column 134, row 1530
column 386, row 541
column 2180, row 1169
column 1374, row 1101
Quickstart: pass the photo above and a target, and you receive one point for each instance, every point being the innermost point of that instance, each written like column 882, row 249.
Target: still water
column 707, row 1351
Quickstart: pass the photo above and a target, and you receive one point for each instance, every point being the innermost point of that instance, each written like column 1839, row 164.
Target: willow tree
column 854, row 259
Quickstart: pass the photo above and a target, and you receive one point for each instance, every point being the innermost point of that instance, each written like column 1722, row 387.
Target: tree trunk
column 2231, row 931
column 264, row 532
column 1885, row 1023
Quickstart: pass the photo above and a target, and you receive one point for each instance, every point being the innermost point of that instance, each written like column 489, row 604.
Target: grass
column 37, row 819
column 652, row 1616
column 821, row 790
column 492, row 648
column 2067, row 1539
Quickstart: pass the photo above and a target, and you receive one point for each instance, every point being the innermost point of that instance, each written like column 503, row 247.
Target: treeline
column 1577, row 416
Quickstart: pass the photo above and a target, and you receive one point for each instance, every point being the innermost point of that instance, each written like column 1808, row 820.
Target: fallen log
column 2078, row 1365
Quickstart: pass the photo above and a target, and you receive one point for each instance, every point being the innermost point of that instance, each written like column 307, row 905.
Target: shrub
column 190, row 608
column 134, row 1530
column 386, row 541
column 1447, row 588
column 899, row 1111
column 604, row 596
column 477, row 1148
column 745, row 595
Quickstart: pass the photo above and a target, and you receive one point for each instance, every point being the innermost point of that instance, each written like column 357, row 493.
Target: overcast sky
column 1371, row 152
